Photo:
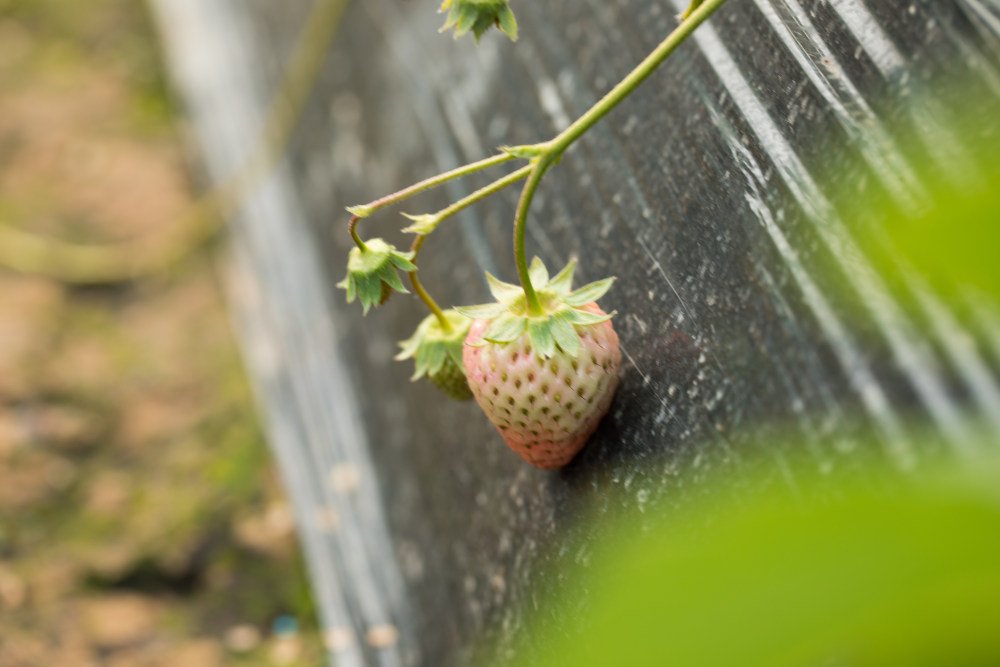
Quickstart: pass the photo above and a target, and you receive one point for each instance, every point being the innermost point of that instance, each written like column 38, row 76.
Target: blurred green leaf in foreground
column 902, row 576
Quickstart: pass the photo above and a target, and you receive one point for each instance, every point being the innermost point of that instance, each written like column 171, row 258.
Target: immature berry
column 372, row 273
column 479, row 16
column 436, row 349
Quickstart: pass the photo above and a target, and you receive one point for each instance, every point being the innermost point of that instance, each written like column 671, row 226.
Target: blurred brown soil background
column 141, row 519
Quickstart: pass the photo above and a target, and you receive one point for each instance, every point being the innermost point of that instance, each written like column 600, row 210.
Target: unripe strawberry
column 546, row 380
column 437, row 352
column 371, row 273
column 478, row 16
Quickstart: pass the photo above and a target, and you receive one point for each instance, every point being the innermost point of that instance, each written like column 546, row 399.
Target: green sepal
column 584, row 318
column 501, row 291
column 527, row 151
column 563, row 280
column 479, row 16
column 564, row 334
column 347, row 284
column 538, row 273
column 433, row 357
column 507, row 23
column 484, row 311
column 371, row 273
column 505, row 328
column 360, row 211
column 422, row 224
column 466, row 19
column 541, row 337
column 556, row 327
column 589, row 292
column 437, row 352
column 403, row 261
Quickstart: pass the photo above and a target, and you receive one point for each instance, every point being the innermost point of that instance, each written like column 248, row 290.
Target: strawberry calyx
column 478, row 16
column 371, row 272
column 437, row 352
column 563, row 313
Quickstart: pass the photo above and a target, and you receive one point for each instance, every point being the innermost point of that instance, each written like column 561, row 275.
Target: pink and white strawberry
column 545, row 380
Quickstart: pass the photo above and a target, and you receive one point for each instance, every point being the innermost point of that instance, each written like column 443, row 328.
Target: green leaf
column 541, row 338
column 584, row 318
column 563, row 281
column 538, row 273
column 564, row 333
column 505, row 328
column 502, row 291
column 588, row 293
column 484, row 311
column 899, row 570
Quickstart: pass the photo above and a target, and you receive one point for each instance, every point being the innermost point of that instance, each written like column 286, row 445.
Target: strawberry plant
column 542, row 361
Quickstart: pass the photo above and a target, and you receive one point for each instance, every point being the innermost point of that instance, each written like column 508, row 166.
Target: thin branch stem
column 421, row 292
column 704, row 9
column 352, row 226
column 445, row 213
column 695, row 15
column 482, row 193
column 433, row 181
column 520, row 219
column 365, row 210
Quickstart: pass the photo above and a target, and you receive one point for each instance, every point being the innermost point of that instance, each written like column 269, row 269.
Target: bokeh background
column 141, row 519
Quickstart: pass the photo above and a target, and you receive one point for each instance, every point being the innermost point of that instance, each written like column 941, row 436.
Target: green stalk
column 432, row 182
column 365, row 210
column 705, row 8
column 421, row 292
column 538, row 170
column 483, row 192
column 445, row 213
column 695, row 15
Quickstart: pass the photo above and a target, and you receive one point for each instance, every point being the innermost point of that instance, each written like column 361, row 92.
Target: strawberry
column 478, row 16
column 437, row 353
column 371, row 273
column 546, row 380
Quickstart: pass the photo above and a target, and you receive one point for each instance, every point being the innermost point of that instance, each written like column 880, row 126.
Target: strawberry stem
column 696, row 13
column 431, row 182
column 352, row 226
column 520, row 219
column 359, row 212
column 418, row 287
column 482, row 193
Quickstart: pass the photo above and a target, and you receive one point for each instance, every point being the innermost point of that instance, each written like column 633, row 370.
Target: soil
column 141, row 518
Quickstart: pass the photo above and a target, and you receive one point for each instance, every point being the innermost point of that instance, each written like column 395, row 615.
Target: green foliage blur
column 908, row 575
